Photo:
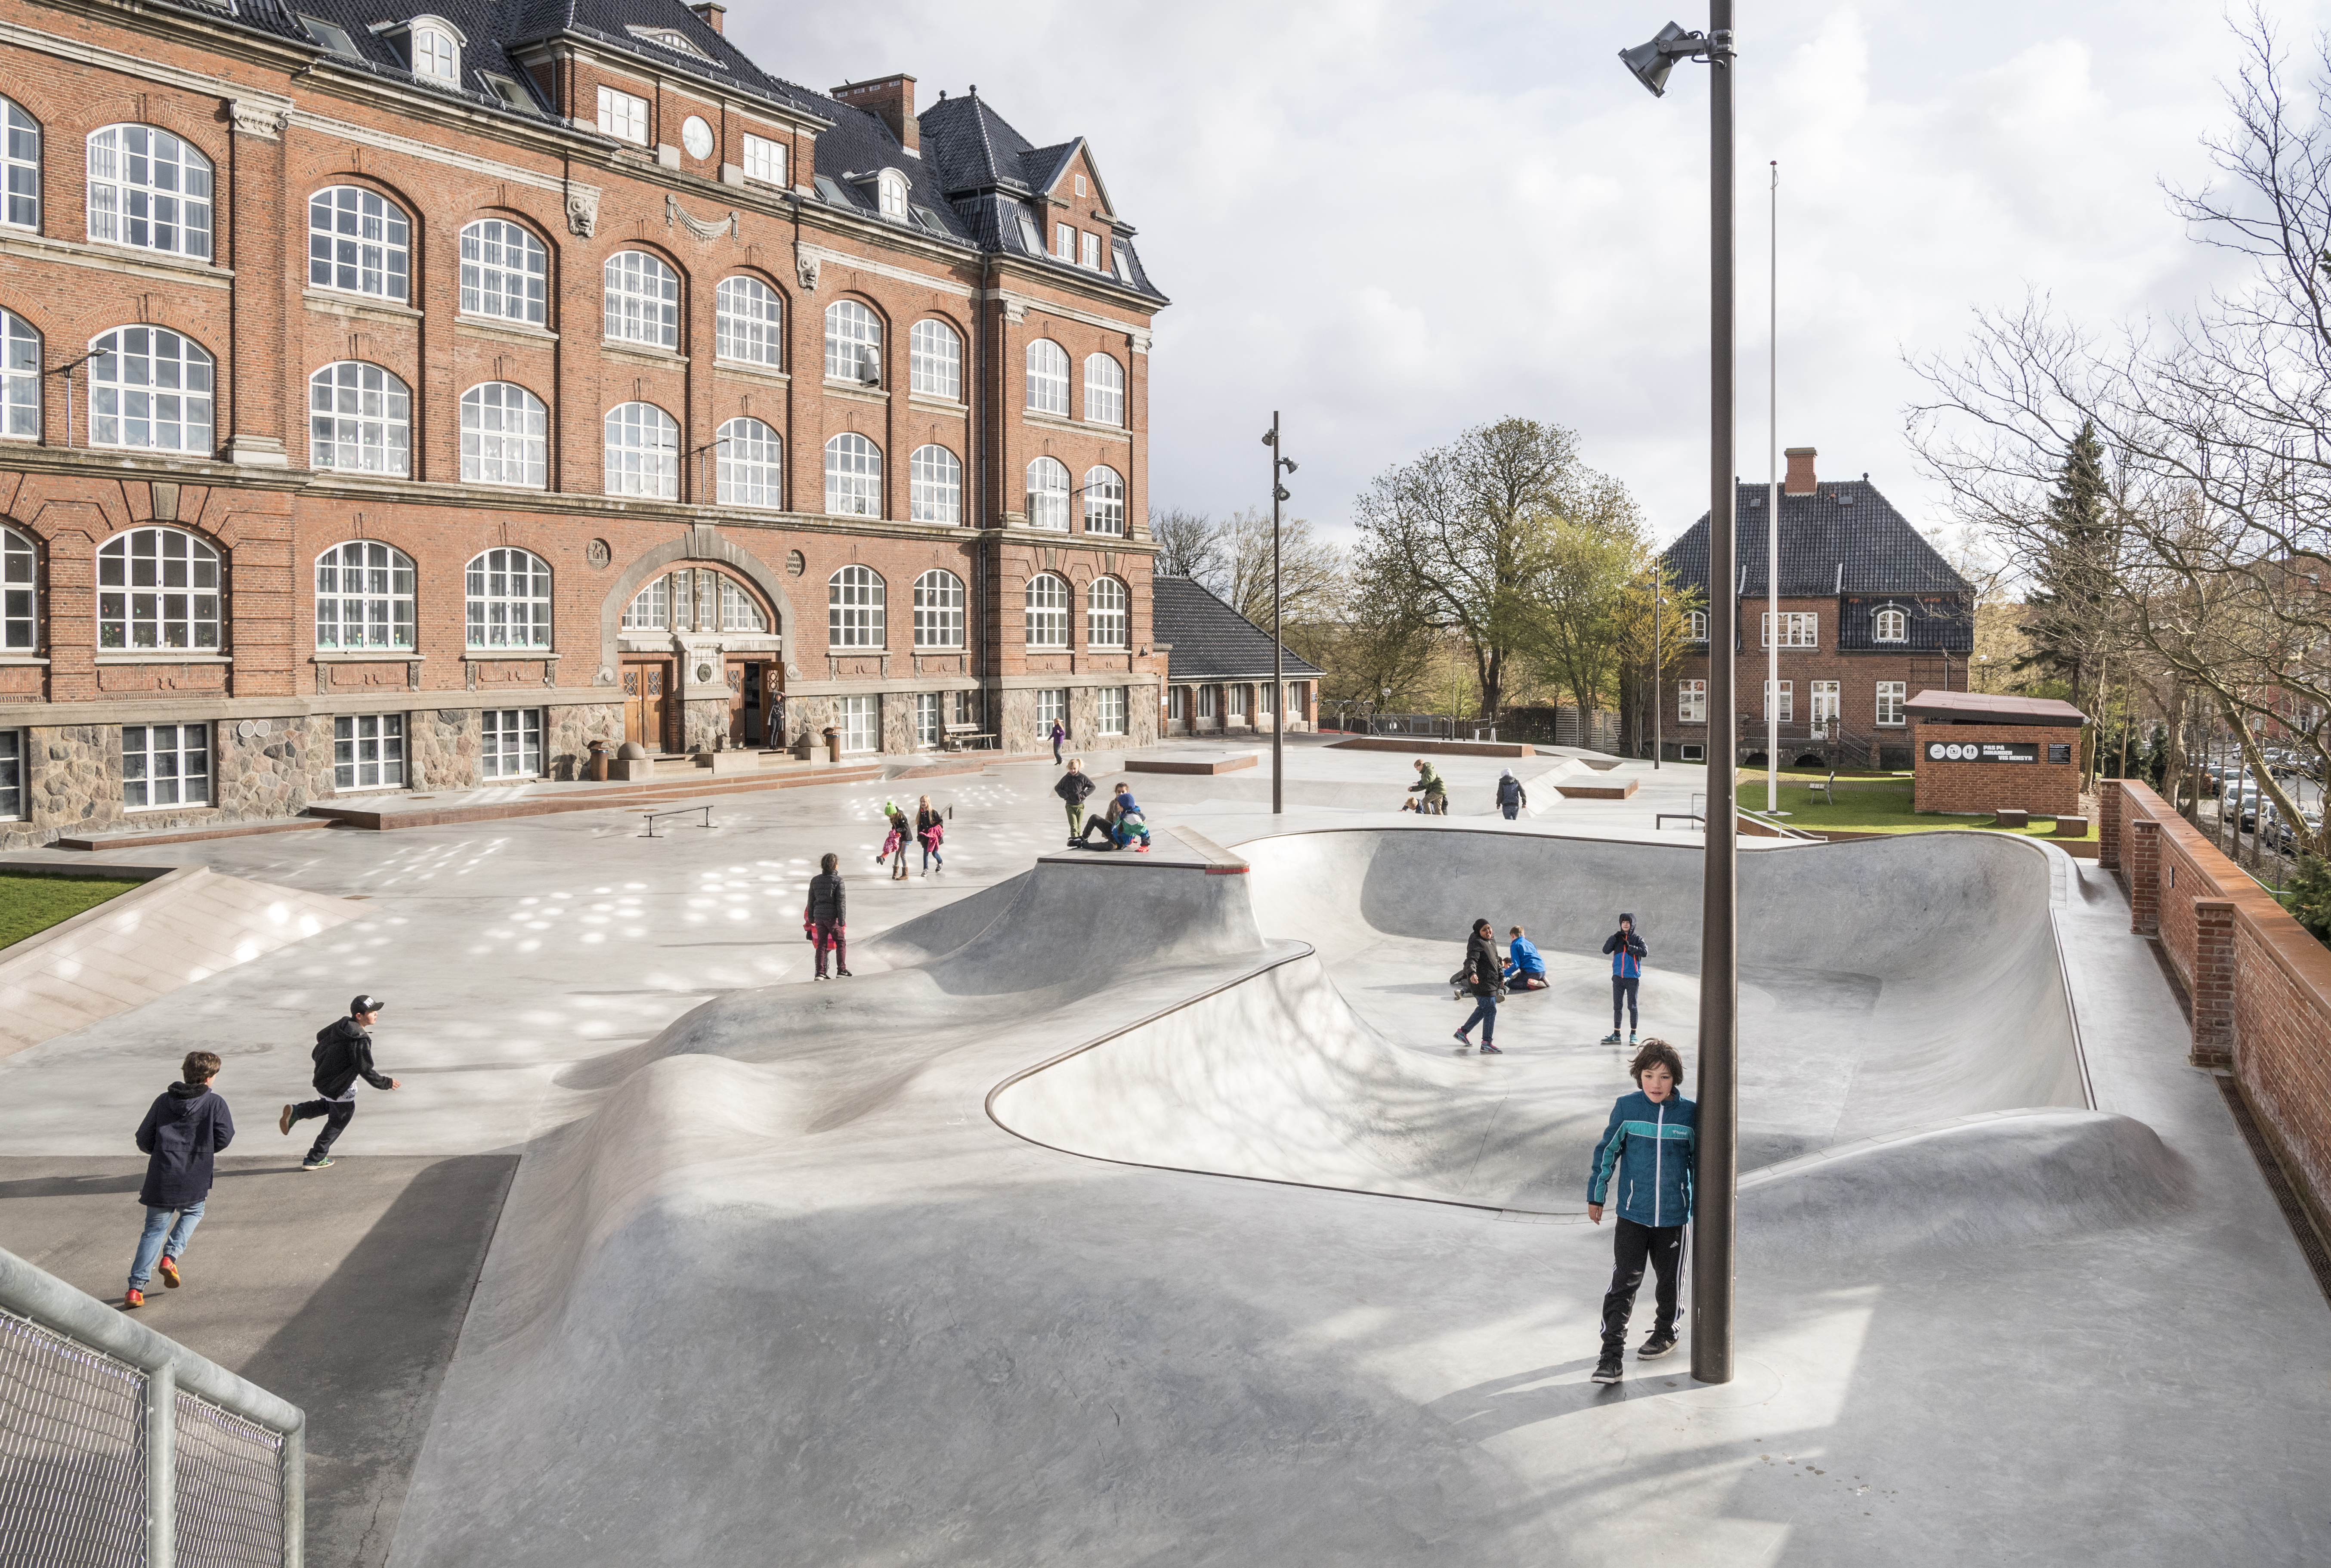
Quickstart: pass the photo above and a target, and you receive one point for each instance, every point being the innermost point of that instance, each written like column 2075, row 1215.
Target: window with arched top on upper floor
column 505, row 600
column 1048, row 378
column 20, row 166
column 853, row 344
column 20, row 377
column 1104, row 490
column 1104, row 390
column 854, row 611
column 1047, row 602
column 890, row 193
column 434, row 52
column 158, row 587
column 359, row 420
column 148, row 190
column 20, row 592
column 1107, row 622
column 749, row 323
column 642, row 452
column 150, row 389
column 1047, row 495
column 359, row 243
column 750, row 465
column 695, row 599
column 853, row 476
column 1891, row 625
column 938, row 610
column 505, row 436
column 934, row 361
column 505, row 272
column 364, row 597
column 1695, row 627
column 642, row 300
column 935, row 486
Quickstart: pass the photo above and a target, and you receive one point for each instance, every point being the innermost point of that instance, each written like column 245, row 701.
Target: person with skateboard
column 1480, row 976
column 1626, row 951
column 824, row 916
column 1524, row 966
column 343, row 1054
column 1646, row 1152
column 1072, row 789
column 183, row 1130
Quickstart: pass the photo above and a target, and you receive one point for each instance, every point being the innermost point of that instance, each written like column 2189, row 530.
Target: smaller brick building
column 1980, row 753
column 1218, row 671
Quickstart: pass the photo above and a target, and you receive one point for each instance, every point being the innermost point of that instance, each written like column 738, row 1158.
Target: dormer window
column 892, row 188
column 332, row 36
column 436, row 54
column 665, row 38
column 1893, row 626
column 1032, row 239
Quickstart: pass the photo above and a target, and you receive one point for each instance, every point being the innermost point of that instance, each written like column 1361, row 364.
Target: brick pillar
column 2213, row 983
column 2114, row 809
column 2144, row 877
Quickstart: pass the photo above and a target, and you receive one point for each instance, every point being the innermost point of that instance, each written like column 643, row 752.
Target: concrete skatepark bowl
column 1142, row 1211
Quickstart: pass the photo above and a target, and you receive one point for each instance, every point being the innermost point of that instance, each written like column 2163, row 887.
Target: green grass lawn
column 1874, row 808
column 30, row 902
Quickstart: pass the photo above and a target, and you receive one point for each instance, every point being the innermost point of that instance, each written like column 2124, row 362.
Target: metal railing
column 118, row 1446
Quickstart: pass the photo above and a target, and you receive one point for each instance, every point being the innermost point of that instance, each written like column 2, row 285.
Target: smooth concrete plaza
column 1141, row 1210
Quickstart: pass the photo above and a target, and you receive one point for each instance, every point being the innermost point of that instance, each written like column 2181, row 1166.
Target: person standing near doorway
column 343, row 1054
column 1626, row 951
column 183, row 1130
column 825, row 916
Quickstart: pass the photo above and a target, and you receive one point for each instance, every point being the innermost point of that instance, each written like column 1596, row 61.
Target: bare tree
column 1310, row 569
column 1189, row 544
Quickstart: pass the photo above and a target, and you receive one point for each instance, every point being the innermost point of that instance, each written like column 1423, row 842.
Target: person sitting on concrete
column 1525, row 968
column 1073, row 789
column 1480, row 976
column 1428, row 784
column 1511, row 796
column 1627, row 954
column 343, row 1054
column 183, row 1130
column 1120, row 801
column 825, row 915
column 930, row 827
column 1131, row 827
column 1646, row 1150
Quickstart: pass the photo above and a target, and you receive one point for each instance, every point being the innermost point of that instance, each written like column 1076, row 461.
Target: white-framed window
column 20, row 161
column 642, row 300
column 505, row 600
column 1205, row 702
column 158, row 588
column 739, row 611
column 623, row 115
column 1799, row 629
column 364, row 597
column 1048, row 378
column 765, row 160
column 930, row 717
column 165, row 765
column 1048, row 611
column 1123, row 260
column 853, row 344
column 368, row 751
column 12, row 774
column 359, row 420
column 1104, row 390
column 151, row 388
column 148, row 190
column 20, row 377
column 1112, row 709
column 1695, row 627
column 650, row 608
column 855, row 609
column 862, row 724
column 1826, row 702
column 1691, row 702
column 1064, row 241
column 933, row 486
column 505, row 272
column 1891, row 626
column 938, row 610
column 1891, row 696
column 1266, row 695
column 890, row 193
column 20, row 592
column 1235, row 701
column 435, row 55
column 749, row 322
column 505, row 438
column 1787, row 712
column 750, row 465
column 510, row 744
column 934, row 360
column 1052, row 708
column 1091, row 251
column 359, row 243
column 1104, row 501
column 853, row 476
column 642, row 452
column 1178, row 704
column 1032, row 238
column 1047, row 495
column 1107, row 624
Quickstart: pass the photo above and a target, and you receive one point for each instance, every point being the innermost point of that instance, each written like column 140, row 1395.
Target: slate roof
column 1845, row 523
column 1211, row 641
column 1983, row 708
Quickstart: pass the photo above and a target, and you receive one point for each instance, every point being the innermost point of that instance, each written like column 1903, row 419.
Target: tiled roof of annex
column 1844, row 537
column 1212, row 641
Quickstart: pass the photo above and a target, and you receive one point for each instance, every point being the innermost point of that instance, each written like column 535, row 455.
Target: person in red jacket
column 183, row 1130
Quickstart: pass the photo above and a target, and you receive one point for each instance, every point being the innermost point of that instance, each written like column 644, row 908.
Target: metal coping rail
column 654, row 817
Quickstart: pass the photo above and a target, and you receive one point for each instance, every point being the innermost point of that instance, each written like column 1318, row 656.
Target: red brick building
column 1871, row 614
column 407, row 404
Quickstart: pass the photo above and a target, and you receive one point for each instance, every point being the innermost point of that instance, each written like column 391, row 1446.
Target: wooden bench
column 958, row 737
column 2010, row 818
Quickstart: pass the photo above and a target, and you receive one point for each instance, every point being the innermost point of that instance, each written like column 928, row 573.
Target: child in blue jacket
column 1626, row 951
column 1524, row 966
column 1646, row 1152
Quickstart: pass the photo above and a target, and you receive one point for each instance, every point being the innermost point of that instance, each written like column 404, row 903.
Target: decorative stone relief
column 264, row 121
column 673, row 213
column 807, row 265
column 582, row 209
column 598, row 552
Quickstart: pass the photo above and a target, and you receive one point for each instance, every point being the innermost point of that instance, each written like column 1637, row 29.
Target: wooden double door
column 652, row 707
column 648, row 707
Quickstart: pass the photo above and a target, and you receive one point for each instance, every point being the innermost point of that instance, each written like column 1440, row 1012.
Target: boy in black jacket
column 343, row 1054
column 183, row 1130
column 1072, row 788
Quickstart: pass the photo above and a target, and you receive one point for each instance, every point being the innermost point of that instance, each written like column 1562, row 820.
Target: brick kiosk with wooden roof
column 1218, row 666
column 1980, row 753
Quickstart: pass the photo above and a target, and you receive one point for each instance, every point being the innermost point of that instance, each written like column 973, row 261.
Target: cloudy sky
column 1394, row 221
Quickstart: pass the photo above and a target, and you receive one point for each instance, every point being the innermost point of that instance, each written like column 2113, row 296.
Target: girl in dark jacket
column 929, row 829
column 825, row 916
column 1481, row 972
column 183, row 1130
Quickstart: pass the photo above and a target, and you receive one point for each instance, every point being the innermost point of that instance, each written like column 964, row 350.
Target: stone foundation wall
column 272, row 771
column 567, row 744
column 442, row 746
column 704, row 726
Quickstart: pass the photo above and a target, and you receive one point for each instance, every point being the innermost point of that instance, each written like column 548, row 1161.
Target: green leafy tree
column 2308, row 897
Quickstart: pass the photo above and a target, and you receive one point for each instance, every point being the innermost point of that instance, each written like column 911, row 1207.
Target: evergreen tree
column 2071, row 579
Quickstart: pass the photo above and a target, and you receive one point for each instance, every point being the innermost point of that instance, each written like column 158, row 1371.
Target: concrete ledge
column 615, row 798
column 191, row 835
column 1434, row 747
column 1586, row 791
column 1228, row 762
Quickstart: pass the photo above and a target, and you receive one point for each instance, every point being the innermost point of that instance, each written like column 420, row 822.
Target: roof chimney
column 892, row 98
column 711, row 11
column 1800, row 481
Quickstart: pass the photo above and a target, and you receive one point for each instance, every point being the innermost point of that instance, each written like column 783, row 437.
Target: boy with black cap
column 343, row 1054
column 1626, row 950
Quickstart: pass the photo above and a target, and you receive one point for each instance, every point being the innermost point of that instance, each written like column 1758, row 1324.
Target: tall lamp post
column 1717, row 1162
column 1277, row 650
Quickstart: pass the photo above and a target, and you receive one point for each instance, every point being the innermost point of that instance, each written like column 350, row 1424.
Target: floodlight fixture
column 1650, row 62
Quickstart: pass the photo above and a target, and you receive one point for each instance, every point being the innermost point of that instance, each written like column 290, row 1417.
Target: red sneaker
column 133, row 1298
column 170, row 1273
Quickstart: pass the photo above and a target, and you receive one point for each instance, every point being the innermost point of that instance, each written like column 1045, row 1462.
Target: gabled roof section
column 1212, row 641
column 1845, row 538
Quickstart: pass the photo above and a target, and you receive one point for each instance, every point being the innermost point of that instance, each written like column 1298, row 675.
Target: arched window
column 1104, row 390
column 505, row 272
column 436, row 55
column 1047, row 495
column 739, row 611
column 20, row 160
column 1104, row 501
column 359, row 243
column 1105, row 622
column 853, row 609
column 692, row 599
column 749, row 464
column 504, row 436
column 891, row 189
column 1893, row 626
column 642, row 452
column 749, row 322
column 935, row 486
column 1695, row 627
column 359, row 420
column 1048, row 378
column 1048, row 611
column 505, row 600
column 20, row 377
column 363, row 596
column 158, row 588
column 20, row 592
column 853, row 477
column 938, row 610
column 934, row 361
column 853, row 344
column 149, row 388
column 148, row 190
column 642, row 299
